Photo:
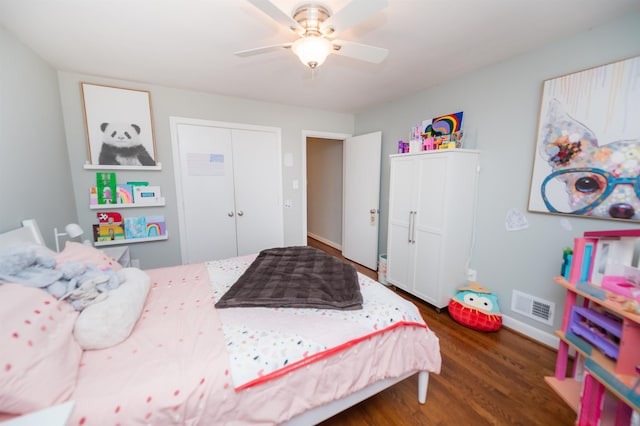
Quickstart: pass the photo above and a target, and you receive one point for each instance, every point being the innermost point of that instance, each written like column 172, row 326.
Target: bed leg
column 423, row 384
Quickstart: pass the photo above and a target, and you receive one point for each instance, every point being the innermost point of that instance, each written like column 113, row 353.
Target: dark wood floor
column 486, row 379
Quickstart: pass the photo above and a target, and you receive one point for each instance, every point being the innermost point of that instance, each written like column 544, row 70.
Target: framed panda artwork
column 119, row 127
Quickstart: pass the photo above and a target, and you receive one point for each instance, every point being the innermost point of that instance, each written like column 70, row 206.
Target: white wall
column 168, row 102
column 500, row 105
column 35, row 181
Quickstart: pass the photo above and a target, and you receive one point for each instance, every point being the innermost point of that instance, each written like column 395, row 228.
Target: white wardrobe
column 229, row 188
column 432, row 201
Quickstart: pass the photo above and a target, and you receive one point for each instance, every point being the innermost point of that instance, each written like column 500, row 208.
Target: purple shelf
column 588, row 323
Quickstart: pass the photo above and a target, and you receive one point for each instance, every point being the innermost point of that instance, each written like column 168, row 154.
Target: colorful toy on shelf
column 567, row 255
column 476, row 307
column 110, row 226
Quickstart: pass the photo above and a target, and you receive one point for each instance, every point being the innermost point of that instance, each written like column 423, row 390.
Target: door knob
column 373, row 211
column 230, row 214
column 240, row 213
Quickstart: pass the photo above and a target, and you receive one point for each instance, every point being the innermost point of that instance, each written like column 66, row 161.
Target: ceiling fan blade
column 363, row 52
column 350, row 15
column 263, row 49
column 277, row 15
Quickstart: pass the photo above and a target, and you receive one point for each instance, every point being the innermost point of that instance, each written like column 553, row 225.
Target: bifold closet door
column 206, row 163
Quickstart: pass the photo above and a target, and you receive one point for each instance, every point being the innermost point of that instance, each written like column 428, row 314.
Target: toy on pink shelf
column 427, row 144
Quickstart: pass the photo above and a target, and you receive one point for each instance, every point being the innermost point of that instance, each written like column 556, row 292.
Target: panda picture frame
column 587, row 150
column 119, row 128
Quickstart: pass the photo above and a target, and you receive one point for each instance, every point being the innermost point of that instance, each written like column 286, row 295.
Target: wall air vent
column 532, row 307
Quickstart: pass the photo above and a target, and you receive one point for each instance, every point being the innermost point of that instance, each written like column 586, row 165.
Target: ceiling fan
column 316, row 27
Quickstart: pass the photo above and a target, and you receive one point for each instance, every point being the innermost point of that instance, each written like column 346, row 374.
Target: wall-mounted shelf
column 131, row 241
column 87, row 166
column 160, row 203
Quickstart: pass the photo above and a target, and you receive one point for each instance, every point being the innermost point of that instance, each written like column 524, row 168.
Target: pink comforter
column 174, row 368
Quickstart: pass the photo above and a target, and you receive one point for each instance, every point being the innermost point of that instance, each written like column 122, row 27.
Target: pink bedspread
column 175, row 369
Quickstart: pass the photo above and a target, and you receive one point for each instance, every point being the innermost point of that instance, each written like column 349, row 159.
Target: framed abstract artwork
column 119, row 127
column 587, row 153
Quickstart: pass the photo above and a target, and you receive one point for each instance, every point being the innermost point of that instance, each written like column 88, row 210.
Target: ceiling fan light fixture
column 312, row 50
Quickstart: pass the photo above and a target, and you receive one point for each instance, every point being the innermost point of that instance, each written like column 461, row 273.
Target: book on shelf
column 106, row 188
column 110, row 233
column 584, row 250
column 125, row 193
column 156, row 226
column 135, row 227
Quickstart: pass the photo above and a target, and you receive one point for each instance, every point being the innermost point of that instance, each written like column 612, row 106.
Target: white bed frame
column 319, row 414
column 30, row 233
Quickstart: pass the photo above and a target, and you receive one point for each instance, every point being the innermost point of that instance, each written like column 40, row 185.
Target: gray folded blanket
column 295, row 277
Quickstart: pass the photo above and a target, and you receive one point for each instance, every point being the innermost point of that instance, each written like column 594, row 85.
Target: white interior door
column 208, row 229
column 258, row 190
column 361, row 204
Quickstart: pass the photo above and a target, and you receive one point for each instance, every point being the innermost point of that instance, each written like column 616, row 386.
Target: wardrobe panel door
column 258, row 190
column 402, row 186
column 207, row 193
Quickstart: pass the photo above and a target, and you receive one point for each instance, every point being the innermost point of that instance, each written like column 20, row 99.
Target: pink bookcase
column 604, row 372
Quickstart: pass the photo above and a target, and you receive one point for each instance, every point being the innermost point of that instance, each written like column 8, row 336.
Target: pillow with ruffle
column 39, row 359
column 78, row 252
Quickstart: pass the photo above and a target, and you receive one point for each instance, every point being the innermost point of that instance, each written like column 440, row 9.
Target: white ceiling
column 189, row 44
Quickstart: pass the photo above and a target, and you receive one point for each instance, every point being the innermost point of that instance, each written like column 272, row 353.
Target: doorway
column 354, row 179
column 324, row 190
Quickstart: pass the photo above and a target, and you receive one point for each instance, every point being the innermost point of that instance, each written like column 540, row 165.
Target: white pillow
column 110, row 321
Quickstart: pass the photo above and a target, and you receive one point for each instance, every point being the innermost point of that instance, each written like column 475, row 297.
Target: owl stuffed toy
column 476, row 307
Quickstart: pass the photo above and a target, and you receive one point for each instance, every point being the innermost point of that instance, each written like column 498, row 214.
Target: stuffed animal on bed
column 476, row 307
column 121, row 145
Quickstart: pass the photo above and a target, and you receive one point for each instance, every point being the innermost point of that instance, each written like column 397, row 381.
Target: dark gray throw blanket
column 295, row 277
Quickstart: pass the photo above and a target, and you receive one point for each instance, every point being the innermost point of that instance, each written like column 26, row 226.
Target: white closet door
column 207, row 193
column 258, row 190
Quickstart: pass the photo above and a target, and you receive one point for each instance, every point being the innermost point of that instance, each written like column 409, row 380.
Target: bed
column 187, row 362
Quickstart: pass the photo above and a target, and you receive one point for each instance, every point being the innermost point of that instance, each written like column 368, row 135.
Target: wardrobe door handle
column 410, row 224
column 240, row 213
column 230, row 214
column 413, row 228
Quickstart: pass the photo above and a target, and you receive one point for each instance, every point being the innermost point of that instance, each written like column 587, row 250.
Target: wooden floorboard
column 486, row 379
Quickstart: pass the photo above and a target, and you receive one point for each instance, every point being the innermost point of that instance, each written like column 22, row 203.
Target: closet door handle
column 413, row 228
column 230, row 214
column 410, row 224
column 240, row 213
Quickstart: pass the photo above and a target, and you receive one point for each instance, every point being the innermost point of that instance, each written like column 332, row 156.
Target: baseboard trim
column 530, row 331
column 324, row 241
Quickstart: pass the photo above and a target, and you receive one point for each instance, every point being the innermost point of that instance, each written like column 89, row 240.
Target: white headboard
column 28, row 234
